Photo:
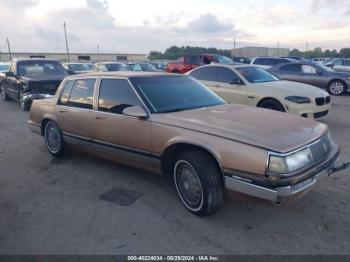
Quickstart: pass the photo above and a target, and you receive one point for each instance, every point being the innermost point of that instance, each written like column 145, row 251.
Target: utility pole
column 307, row 46
column 234, row 43
column 9, row 48
column 98, row 53
column 278, row 48
column 65, row 35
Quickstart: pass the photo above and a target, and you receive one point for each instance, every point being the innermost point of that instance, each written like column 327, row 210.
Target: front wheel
column 272, row 104
column 25, row 105
column 337, row 88
column 199, row 182
column 54, row 139
column 4, row 95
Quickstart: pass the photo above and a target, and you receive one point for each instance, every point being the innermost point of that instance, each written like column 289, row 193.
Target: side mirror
column 320, row 72
column 135, row 111
column 236, row 82
column 9, row 74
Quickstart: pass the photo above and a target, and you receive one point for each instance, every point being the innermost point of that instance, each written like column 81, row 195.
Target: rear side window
column 347, row 62
column 116, row 95
column 226, row 75
column 307, row 69
column 293, row 68
column 337, row 62
column 65, row 93
column 205, row 74
column 82, row 93
column 192, row 60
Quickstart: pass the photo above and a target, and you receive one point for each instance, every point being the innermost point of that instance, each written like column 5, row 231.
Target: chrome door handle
column 62, row 111
column 100, row 118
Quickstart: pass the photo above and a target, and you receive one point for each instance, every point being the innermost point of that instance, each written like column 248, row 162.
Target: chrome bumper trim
column 276, row 194
column 31, row 97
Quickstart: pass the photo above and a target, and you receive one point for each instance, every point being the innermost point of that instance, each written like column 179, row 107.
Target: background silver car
column 339, row 64
column 336, row 83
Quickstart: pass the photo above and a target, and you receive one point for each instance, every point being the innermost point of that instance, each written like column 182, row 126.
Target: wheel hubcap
column 188, row 185
column 337, row 88
column 53, row 138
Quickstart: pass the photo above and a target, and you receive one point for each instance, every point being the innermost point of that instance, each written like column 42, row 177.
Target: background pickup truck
column 189, row 62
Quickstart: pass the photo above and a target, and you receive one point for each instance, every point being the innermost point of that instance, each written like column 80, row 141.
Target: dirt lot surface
column 50, row 206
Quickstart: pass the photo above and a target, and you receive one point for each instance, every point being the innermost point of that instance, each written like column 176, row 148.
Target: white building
column 251, row 52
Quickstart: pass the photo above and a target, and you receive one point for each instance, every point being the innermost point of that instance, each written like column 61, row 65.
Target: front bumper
column 293, row 187
column 309, row 110
column 31, row 97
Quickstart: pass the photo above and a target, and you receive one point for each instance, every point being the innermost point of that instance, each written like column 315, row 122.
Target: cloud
column 208, row 24
column 337, row 5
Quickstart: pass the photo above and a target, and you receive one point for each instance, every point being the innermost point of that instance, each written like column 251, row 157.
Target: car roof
column 231, row 66
column 35, row 59
column 122, row 74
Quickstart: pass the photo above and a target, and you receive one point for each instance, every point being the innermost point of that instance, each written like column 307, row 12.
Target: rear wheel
column 337, row 87
column 272, row 104
column 25, row 105
column 54, row 139
column 199, row 182
column 4, row 96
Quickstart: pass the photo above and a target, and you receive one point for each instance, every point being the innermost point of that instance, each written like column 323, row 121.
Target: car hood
column 43, row 78
column 276, row 131
column 290, row 88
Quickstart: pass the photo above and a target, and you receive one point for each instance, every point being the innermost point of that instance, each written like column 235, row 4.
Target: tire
column 336, row 88
column 196, row 171
column 271, row 104
column 25, row 105
column 54, row 141
column 4, row 95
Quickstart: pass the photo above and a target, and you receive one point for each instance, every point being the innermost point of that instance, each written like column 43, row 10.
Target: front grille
column 48, row 87
column 320, row 149
column 320, row 101
column 321, row 114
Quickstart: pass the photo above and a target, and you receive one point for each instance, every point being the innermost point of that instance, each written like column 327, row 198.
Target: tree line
column 175, row 52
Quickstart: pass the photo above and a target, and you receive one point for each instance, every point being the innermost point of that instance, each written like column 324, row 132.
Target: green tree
column 345, row 52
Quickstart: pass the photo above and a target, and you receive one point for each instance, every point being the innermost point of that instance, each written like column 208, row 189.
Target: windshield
column 224, row 60
column 4, row 67
column 325, row 68
column 148, row 67
column 117, row 67
column 177, row 93
column 256, row 75
column 80, row 67
column 26, row 68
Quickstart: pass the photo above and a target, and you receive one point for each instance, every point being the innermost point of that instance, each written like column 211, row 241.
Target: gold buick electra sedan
column 173, row 125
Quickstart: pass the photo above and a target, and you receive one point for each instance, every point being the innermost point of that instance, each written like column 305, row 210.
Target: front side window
column 82, row 93
column 116, row 95
column 117, row 67
column 256, row 75
column 65, row 93
column 164, row 94
column 226, row 75
column 192, row 60
column 337, row 62
column 307, row 69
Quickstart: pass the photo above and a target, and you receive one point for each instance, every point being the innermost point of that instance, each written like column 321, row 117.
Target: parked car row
column 176, row 125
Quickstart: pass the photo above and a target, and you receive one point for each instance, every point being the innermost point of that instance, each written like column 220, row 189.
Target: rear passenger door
column 111, row 127
column 74, row 108
column 290, row 72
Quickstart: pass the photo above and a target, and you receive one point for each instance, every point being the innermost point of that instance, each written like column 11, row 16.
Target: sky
column 131, row 26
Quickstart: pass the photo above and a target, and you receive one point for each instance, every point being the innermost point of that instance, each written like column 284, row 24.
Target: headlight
column 298, row 99
column 290, row 163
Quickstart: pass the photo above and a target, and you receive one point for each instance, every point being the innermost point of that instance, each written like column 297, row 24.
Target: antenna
column 65, row 35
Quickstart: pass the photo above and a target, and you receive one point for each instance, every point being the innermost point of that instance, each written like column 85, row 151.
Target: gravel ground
column 50, row 206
